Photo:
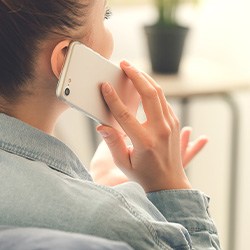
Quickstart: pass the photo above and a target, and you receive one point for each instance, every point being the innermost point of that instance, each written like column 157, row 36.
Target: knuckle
column 112, row 140
column 149, row 147
column 174, row 124
column 110, row 98
column 159, row 89
column 165, row 131
column 124, row 116
column 136, row 74
column 148, row 141
column 151, row 93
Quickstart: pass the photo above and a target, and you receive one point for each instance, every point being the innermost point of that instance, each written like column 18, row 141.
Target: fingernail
column 126, row 64
column 106, row 88
column 103, row 133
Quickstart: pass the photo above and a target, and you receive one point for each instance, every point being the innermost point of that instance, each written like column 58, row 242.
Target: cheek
column 110, row 44
column 102, row 42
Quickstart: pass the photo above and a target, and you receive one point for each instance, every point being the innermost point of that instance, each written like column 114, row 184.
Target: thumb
column 117, row 146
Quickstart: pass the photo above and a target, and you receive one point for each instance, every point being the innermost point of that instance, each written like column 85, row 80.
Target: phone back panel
column 82, row 75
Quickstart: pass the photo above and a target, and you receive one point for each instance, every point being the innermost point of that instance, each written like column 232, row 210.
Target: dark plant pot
column 166, row 45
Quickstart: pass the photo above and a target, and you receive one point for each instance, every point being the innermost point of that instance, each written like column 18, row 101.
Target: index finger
column 127, row 121
column 149, row 95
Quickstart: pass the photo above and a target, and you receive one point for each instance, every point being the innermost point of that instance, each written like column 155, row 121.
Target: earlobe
column 57, row 57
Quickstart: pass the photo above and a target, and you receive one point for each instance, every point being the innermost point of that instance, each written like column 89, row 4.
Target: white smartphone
column 79, row 84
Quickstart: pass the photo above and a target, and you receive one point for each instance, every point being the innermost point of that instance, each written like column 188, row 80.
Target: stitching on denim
column 21, row 151
column 184, row 191
column 137, row 215
column 208, row 227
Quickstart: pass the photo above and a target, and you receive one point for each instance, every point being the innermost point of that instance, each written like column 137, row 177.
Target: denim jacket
column 43, row 184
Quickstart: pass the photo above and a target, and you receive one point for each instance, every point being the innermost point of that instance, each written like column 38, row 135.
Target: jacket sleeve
column 178, row 218
column 190, row 209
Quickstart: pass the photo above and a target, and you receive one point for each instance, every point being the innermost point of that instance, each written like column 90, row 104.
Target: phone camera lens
column 67, row 91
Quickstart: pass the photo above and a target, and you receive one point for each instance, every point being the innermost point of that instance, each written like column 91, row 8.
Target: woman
column 43, row 184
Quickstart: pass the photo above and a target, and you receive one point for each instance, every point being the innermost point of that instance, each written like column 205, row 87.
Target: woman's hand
column 105, row 172
column 103, row 169
column 189, row 149
column 154, row 159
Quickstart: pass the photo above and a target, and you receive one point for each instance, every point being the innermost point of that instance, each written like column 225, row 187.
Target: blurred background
column 216, row 52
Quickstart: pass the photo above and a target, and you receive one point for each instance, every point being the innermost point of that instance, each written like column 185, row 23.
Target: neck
column 37, row 111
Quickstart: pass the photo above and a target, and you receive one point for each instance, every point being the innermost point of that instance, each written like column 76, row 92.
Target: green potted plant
column 166, row 38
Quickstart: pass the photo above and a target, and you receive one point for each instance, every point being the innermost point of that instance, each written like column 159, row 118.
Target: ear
column 58, row 56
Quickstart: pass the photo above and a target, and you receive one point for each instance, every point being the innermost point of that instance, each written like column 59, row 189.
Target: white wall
column 219, row 32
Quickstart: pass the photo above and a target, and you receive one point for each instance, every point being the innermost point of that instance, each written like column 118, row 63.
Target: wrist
column 180, row 184
column 173, row 183
column 178, row 180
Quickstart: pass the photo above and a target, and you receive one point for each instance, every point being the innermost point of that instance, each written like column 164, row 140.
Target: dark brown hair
column 23, row 24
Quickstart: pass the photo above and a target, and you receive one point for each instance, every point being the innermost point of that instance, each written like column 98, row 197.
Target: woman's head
column 31, row 31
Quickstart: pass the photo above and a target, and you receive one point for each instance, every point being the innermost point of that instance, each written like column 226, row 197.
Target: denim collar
column 23, row 140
